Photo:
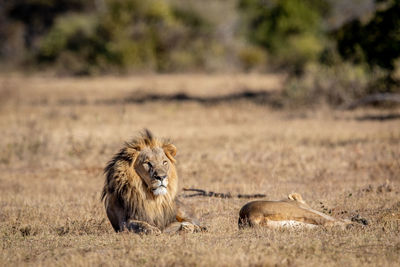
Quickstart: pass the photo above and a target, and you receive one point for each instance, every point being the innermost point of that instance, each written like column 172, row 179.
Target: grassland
column 57, row 135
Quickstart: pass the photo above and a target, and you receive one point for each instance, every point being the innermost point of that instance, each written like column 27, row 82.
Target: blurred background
column 332, row 51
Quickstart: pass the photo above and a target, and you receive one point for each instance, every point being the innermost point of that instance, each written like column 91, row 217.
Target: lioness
column 140, row 189
column 293, row 212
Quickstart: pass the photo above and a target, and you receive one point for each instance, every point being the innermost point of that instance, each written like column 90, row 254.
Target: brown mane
column 125, row 188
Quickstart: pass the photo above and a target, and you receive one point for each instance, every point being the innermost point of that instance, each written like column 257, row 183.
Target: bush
column 70, row 43
column 38, row 15
column 130, row 35
column 289, row 29
column 252, row 57
column 376, row 42
column 336, row 85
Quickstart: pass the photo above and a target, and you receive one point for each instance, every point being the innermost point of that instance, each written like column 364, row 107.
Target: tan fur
column 293, row 211
column 128, row 190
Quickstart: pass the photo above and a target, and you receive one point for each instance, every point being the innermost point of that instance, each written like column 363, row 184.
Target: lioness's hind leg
column 256, row 220
column 141, row 227
column 251, row 221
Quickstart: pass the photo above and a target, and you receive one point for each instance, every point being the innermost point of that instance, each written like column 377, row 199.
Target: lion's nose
column 160, row 177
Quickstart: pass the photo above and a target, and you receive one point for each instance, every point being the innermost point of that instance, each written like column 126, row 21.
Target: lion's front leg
column 186, row 220
column 141, row 227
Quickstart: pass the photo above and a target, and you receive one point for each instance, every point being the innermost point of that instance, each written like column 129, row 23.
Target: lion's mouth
column 161, row 190
column 160, row 186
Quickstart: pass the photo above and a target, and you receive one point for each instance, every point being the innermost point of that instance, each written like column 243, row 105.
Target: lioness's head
column 153, row 165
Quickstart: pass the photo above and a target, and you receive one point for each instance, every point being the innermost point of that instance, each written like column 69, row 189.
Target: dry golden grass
column 57, row 135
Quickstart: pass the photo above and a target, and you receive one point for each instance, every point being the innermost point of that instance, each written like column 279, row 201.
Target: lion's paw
column 153, row 231
column 191, row 228
column 143, row 228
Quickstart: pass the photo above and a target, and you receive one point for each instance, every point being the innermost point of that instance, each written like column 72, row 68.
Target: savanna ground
column 57, row 135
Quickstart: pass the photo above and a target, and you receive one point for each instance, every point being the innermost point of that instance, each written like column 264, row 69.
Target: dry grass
column 57, row 135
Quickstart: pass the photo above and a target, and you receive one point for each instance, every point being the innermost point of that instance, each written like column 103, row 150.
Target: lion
column 140, row 189
column 289, row 213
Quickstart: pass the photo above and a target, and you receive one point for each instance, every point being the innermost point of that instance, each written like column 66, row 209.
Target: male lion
column 139, row 193
column 293, row 212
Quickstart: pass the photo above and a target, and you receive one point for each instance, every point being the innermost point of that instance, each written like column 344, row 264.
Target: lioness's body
column 291, row 212
column 140, row 189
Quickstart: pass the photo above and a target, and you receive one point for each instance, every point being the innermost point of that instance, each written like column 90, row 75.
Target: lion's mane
column 124, row 185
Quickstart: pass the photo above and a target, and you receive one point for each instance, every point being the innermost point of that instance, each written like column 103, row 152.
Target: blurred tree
column 291, row 30
column 38, row 15
column 377, row 42
column 128, row 35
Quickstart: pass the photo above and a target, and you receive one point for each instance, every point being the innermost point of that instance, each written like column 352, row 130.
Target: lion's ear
column 131, row 152
column 170, row 149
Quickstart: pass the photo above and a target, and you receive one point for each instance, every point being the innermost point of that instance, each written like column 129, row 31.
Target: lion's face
column 153, row 166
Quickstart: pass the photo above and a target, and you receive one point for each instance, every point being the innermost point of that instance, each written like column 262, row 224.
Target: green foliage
column 377, row 42
column 64, row 31
column 288, row 29
column 252, row 57
column 74, row 45
column 39, row 15
column 129, row 35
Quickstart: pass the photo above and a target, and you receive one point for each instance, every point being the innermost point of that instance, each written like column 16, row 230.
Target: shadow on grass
column 258, row 97
column 380, row 117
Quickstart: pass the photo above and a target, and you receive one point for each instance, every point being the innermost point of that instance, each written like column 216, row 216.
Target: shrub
column 252, row 57
column 128, row 36
column 336, row 85
column 289, row 29
column 376, row 42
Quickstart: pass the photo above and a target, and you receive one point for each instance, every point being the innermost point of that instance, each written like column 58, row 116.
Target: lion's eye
column 165, row 162
column 149, row 164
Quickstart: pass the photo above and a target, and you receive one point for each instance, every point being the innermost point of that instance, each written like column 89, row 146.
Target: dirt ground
column 56, row 136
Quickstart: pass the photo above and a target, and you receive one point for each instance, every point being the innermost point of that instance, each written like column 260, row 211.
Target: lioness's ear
column 296, row 197
column 170, row 149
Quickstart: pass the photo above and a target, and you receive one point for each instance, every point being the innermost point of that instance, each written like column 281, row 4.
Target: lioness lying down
column 293, row 212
